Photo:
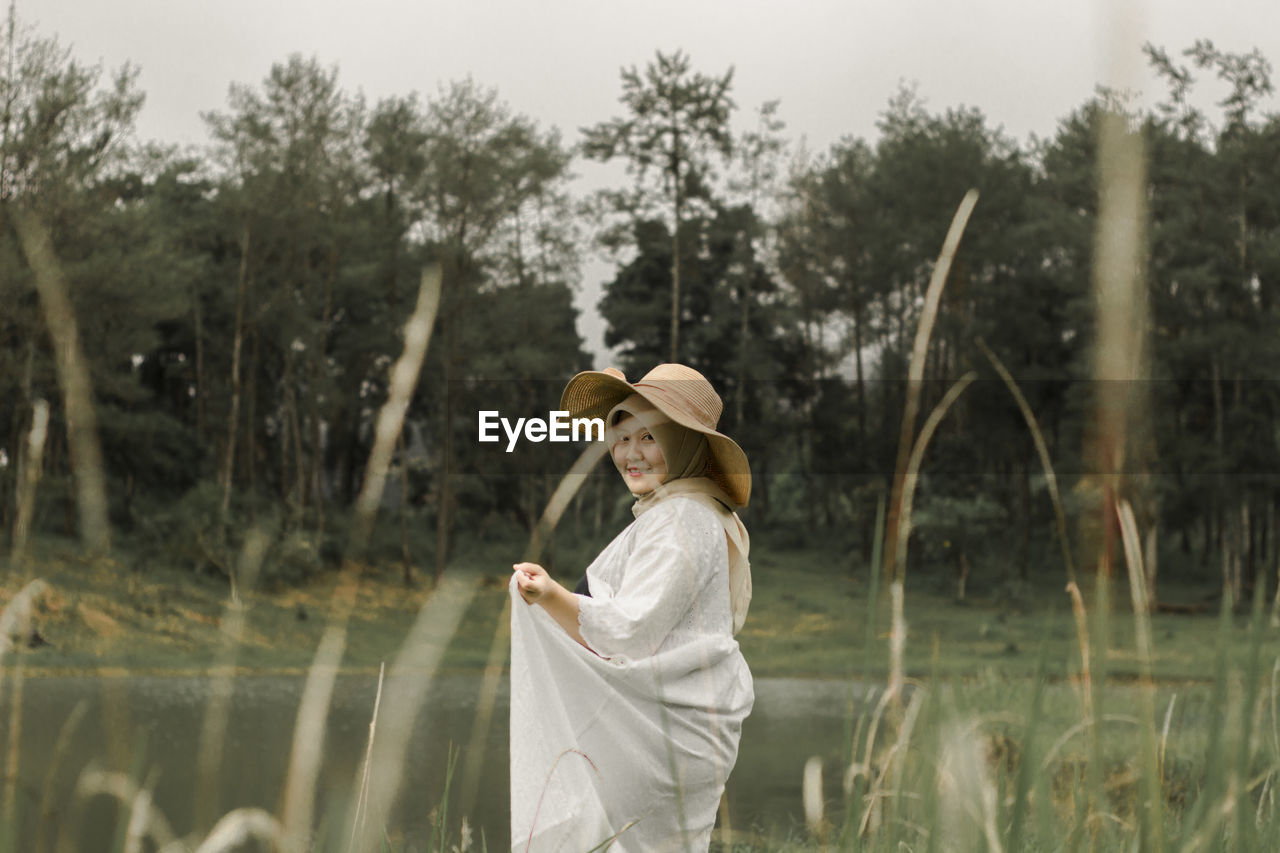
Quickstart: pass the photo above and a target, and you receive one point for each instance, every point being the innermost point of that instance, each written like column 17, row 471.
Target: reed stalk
column 139, row 816
column 17, row 623
column 404, row 378
column 1095, row 778
column 1151, row 809
column 60, row 749
column 1025, row 780
column 856, row 772
column 906, row 444
column 119, row 787
column 362, row 800
column 309, row 740
column 897, row 595
column 239, row 828
column 10, row 813
column 73, row 378
column 915, row 371
column 1246, row 829
column 811, row 796
column 222, row 684
column 408, row 683
column 1042, row 450
column 313, row 710
column 29, row 472
column 542, row 795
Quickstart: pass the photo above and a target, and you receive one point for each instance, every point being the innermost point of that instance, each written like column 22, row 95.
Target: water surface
column 151, row 725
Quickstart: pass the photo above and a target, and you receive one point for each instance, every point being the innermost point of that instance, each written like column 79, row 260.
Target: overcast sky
column 833, row 63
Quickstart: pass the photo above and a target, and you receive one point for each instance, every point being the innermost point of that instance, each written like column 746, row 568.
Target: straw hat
column 682, row 394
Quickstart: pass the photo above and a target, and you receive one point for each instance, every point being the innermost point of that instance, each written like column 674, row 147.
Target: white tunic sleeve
column 677, row 554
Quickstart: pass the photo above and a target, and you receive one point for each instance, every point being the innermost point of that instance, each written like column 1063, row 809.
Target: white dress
column 634, row 742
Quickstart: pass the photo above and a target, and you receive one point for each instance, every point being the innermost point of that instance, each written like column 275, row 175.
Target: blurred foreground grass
column 995, row 745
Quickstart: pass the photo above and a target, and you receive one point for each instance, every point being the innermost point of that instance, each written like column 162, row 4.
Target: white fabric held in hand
column 640, row 739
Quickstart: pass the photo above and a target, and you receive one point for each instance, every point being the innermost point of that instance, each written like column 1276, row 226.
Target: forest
column 239, row 305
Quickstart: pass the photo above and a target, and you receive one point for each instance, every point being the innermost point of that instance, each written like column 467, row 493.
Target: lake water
column 152, row 725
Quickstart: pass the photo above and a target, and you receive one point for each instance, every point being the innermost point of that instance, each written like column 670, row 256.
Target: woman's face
column 637, row 456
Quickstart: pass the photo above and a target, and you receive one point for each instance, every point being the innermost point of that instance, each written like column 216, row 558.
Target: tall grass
column 1083, row 765
column 992, row 764
column 376, row 789
column 73, row 378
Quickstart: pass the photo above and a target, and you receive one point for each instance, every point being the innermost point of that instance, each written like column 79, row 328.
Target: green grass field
column 808, row 618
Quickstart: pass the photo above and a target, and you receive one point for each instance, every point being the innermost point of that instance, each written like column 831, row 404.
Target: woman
column 627, row 703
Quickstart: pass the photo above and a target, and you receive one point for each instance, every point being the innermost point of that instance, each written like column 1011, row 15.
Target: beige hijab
column 687, row 454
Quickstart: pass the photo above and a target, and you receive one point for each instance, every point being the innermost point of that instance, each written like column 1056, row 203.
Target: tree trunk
column 543, row 498
column 351, row 476
column 315, row 484
column 744, row 350
column 857, row 360
column 28, row 476
column 1206, row 540
column 282, row 452
column 1275, row 558
column 762, row 488
column 1225, row 526
column 405, row 560
column 962, row 574
column 200, row 389
column 1232, row 539
column 444, row 503
column 1246, row 544
column 1023, row 476
column 317, row 362
column 7, row 490
column 1150, row 558
column 444, row 508
column 251, row 411
column 675, row 289
column 529, row 501
column 598, row 521
column 233, row 416
column 15, row 447
column 297, row 491
column 675, row 245
column 1268, row 535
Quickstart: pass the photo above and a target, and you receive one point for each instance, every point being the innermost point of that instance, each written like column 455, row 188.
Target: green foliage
column 958, row 523
column 240, row 307
column 675, row 122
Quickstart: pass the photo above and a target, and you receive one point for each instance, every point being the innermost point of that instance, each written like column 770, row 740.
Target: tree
column 485, row 201
column 721, row 272
column 290, row 173
column 677, row 123
column 1213, row 296
column 63, row 171
column 758, row 157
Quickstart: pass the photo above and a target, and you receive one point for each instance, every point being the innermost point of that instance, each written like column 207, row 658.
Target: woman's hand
column 533, row 581
column 537, row 587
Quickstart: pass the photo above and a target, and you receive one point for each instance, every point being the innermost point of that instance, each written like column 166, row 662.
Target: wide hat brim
column 679, row 396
